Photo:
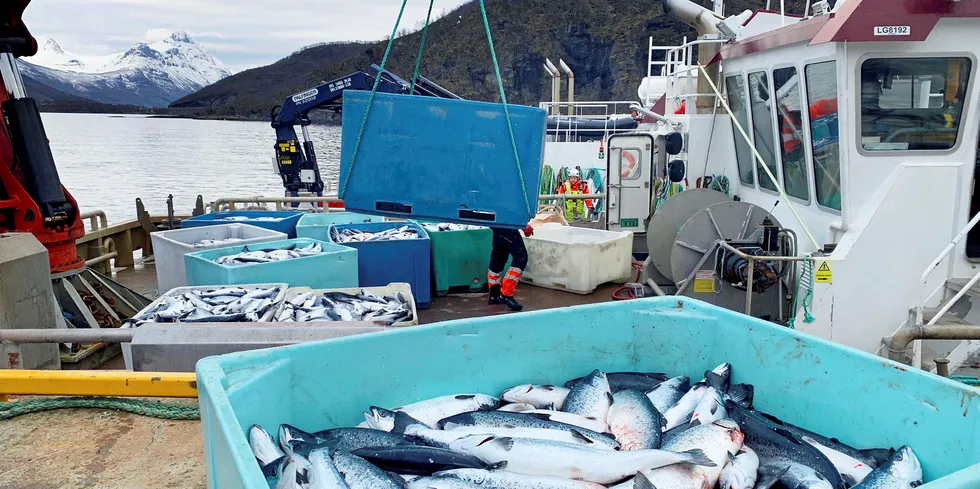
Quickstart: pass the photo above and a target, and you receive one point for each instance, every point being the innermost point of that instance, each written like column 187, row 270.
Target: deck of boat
column 92, row 448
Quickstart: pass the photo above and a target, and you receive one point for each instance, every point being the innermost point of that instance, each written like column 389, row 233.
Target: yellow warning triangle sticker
column 824, row 267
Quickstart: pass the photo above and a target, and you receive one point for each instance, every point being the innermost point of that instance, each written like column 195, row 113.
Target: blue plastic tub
column 317, row 226
column 866, row 401
column 285, row 221
column 442, row 159
column 336, row 268
column 383, row 262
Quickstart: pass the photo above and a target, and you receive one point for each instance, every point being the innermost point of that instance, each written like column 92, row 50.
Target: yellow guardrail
column 97, row 383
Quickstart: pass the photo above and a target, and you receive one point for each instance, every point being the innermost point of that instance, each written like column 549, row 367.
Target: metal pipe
column 898, row 343
column 101, row 258
column 555, row 86
column 92, row 215
column 656, row 288
column 942, row 367
column 659, row 118
column 230, row 201
column 11, row 76
column 107, row 335
column 571, row 85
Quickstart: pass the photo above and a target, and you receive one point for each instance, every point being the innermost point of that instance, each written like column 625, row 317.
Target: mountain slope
column 603, row 41
column 148, row 74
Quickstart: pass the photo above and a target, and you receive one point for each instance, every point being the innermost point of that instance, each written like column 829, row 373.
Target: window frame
column 841, row 130
column 964, row 120
column 741, row 74
column 807, row 141
column 775, row 134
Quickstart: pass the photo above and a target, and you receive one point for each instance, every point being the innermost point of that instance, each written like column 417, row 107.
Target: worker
column 507, row 242
column 574, row 186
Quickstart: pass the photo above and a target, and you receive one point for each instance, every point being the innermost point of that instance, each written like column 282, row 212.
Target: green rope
column 503, row 100
column 135, row 406
column 425, row 32
column 966, row 379
column 374, row 90
column 806, row 272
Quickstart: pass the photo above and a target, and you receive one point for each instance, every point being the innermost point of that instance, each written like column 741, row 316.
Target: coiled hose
column 618, row 294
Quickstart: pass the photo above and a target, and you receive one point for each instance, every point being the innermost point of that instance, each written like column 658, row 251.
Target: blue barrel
column 441, row 159
column 335, row 268
column 864, row 400
column 383, row 262
column 282, row 221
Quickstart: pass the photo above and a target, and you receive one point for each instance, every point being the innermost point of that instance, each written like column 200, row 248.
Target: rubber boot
column 495, row 297
column 511, row 302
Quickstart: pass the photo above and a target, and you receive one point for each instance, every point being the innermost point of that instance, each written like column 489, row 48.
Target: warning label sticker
column 824, row 274
column 704, row 281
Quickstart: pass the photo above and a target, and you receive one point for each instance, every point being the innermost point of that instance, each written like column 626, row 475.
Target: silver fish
column 634, row 421
column 711, row 408
column 539, row 396
column 213, row 242
column 591, row 397
column 441, row 483
column 323, row 473
column 509, row 480
column 669, row 392
column 795, row 476
column 901, row 471
column 431, row 411
column 588, row 423
column 551, row 458
column 525, row 419
column 742, row 470
column 293, row 473
column 716, row 440
column 682, row 411
column 852, row 470
column 361, row 474
column 516, row 407
column 265, row 449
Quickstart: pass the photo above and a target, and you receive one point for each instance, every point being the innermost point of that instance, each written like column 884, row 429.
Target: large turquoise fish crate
column 282, row 221
column 414, row 148
column 317, row 226
column 864, row 400
column 335, row 268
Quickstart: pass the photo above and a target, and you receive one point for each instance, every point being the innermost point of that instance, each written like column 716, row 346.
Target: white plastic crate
column 388, row 290
column 577, row 259
column 277, row 303
column 169, row 247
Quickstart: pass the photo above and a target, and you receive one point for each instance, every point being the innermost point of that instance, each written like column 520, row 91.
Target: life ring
column 632, row 164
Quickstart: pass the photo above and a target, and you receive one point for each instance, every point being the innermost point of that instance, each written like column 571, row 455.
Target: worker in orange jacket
column 574, row 185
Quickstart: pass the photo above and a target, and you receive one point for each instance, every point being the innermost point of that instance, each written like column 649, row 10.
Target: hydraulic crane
column 296, row 160
column 32, row 199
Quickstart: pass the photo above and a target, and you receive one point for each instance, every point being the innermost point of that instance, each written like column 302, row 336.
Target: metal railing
column 597, row 110
column 96, row 219
column 678, row 61
column 229, row 203
column 932, row 267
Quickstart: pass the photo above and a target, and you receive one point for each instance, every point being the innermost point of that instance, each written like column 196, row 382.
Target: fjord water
column 106, row 161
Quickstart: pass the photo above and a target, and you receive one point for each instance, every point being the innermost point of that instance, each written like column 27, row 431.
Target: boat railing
column 923, row 297
column 599, row 110
column 677, row 62
column 285, row 203
column 96, row 219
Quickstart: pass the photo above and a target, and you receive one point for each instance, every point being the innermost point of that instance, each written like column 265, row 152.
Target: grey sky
column 242, row 33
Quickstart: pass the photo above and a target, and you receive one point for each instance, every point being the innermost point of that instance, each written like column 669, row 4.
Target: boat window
column 743, row 153
column 821, row 95
column 762, row 127
column 789, row 116
column 912, row 103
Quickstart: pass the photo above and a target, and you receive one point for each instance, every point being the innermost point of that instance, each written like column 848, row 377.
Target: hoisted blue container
column 380, row 263
column 441, row 159
column 862, row 399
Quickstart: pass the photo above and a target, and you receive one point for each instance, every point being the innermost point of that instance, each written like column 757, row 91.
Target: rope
column 503, row 100
column 418, row 61
column 806, row 273
column 547, row 186
column 966, row 379
column 143, row 408
column 367, row 111
column 720, row 183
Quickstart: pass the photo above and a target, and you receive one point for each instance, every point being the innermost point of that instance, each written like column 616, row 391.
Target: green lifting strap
column 418, row 64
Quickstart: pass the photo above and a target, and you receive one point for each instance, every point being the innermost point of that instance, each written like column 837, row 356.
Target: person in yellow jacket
column 575, row 185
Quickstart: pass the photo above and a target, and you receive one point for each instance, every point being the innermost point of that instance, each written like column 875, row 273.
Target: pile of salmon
column 632, row 430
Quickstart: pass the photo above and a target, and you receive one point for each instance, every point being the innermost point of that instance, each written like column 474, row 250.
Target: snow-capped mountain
column 152, row 73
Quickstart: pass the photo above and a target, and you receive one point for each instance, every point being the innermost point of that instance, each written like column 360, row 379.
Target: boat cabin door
column 630, row 175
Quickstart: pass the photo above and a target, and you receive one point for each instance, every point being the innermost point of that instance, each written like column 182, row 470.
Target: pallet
column 90, row 356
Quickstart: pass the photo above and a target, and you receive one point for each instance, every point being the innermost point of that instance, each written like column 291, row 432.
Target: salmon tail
column 697, row 457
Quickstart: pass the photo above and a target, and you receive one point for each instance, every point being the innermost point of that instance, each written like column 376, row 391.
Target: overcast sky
column 242, row 33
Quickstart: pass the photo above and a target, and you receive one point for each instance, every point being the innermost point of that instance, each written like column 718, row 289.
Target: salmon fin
column 501, row 465
column 579, row 436
column 731, row 457
column 766, row 481
column 303, row 477
column 849, row 480
column 697, row 457
column 715, row 380
column 547, row 387
column 642, row 482
column 541, row 416
column 463, row 397
column 402, row 421
column 506, row 443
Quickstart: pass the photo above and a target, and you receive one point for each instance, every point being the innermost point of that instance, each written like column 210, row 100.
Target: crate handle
column 393, row 207
column 478, row 215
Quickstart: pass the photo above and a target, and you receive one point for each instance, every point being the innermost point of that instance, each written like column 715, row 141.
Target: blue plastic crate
column 443, row 159
column 864, row 400
column 285, row 221
column 317, row 226
column 335, row 268
column 384, row 262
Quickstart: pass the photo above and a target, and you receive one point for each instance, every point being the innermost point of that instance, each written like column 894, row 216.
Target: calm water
column 107, row 161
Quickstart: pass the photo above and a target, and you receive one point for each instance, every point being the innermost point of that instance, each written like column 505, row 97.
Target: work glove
column 528, row 231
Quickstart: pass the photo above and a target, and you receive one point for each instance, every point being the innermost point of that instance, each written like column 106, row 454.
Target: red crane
column 32, row 199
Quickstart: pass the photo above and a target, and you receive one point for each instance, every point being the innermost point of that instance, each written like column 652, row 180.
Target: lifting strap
column 418, row 64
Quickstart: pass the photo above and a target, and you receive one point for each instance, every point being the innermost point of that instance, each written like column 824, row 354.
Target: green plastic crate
column 460, row 258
